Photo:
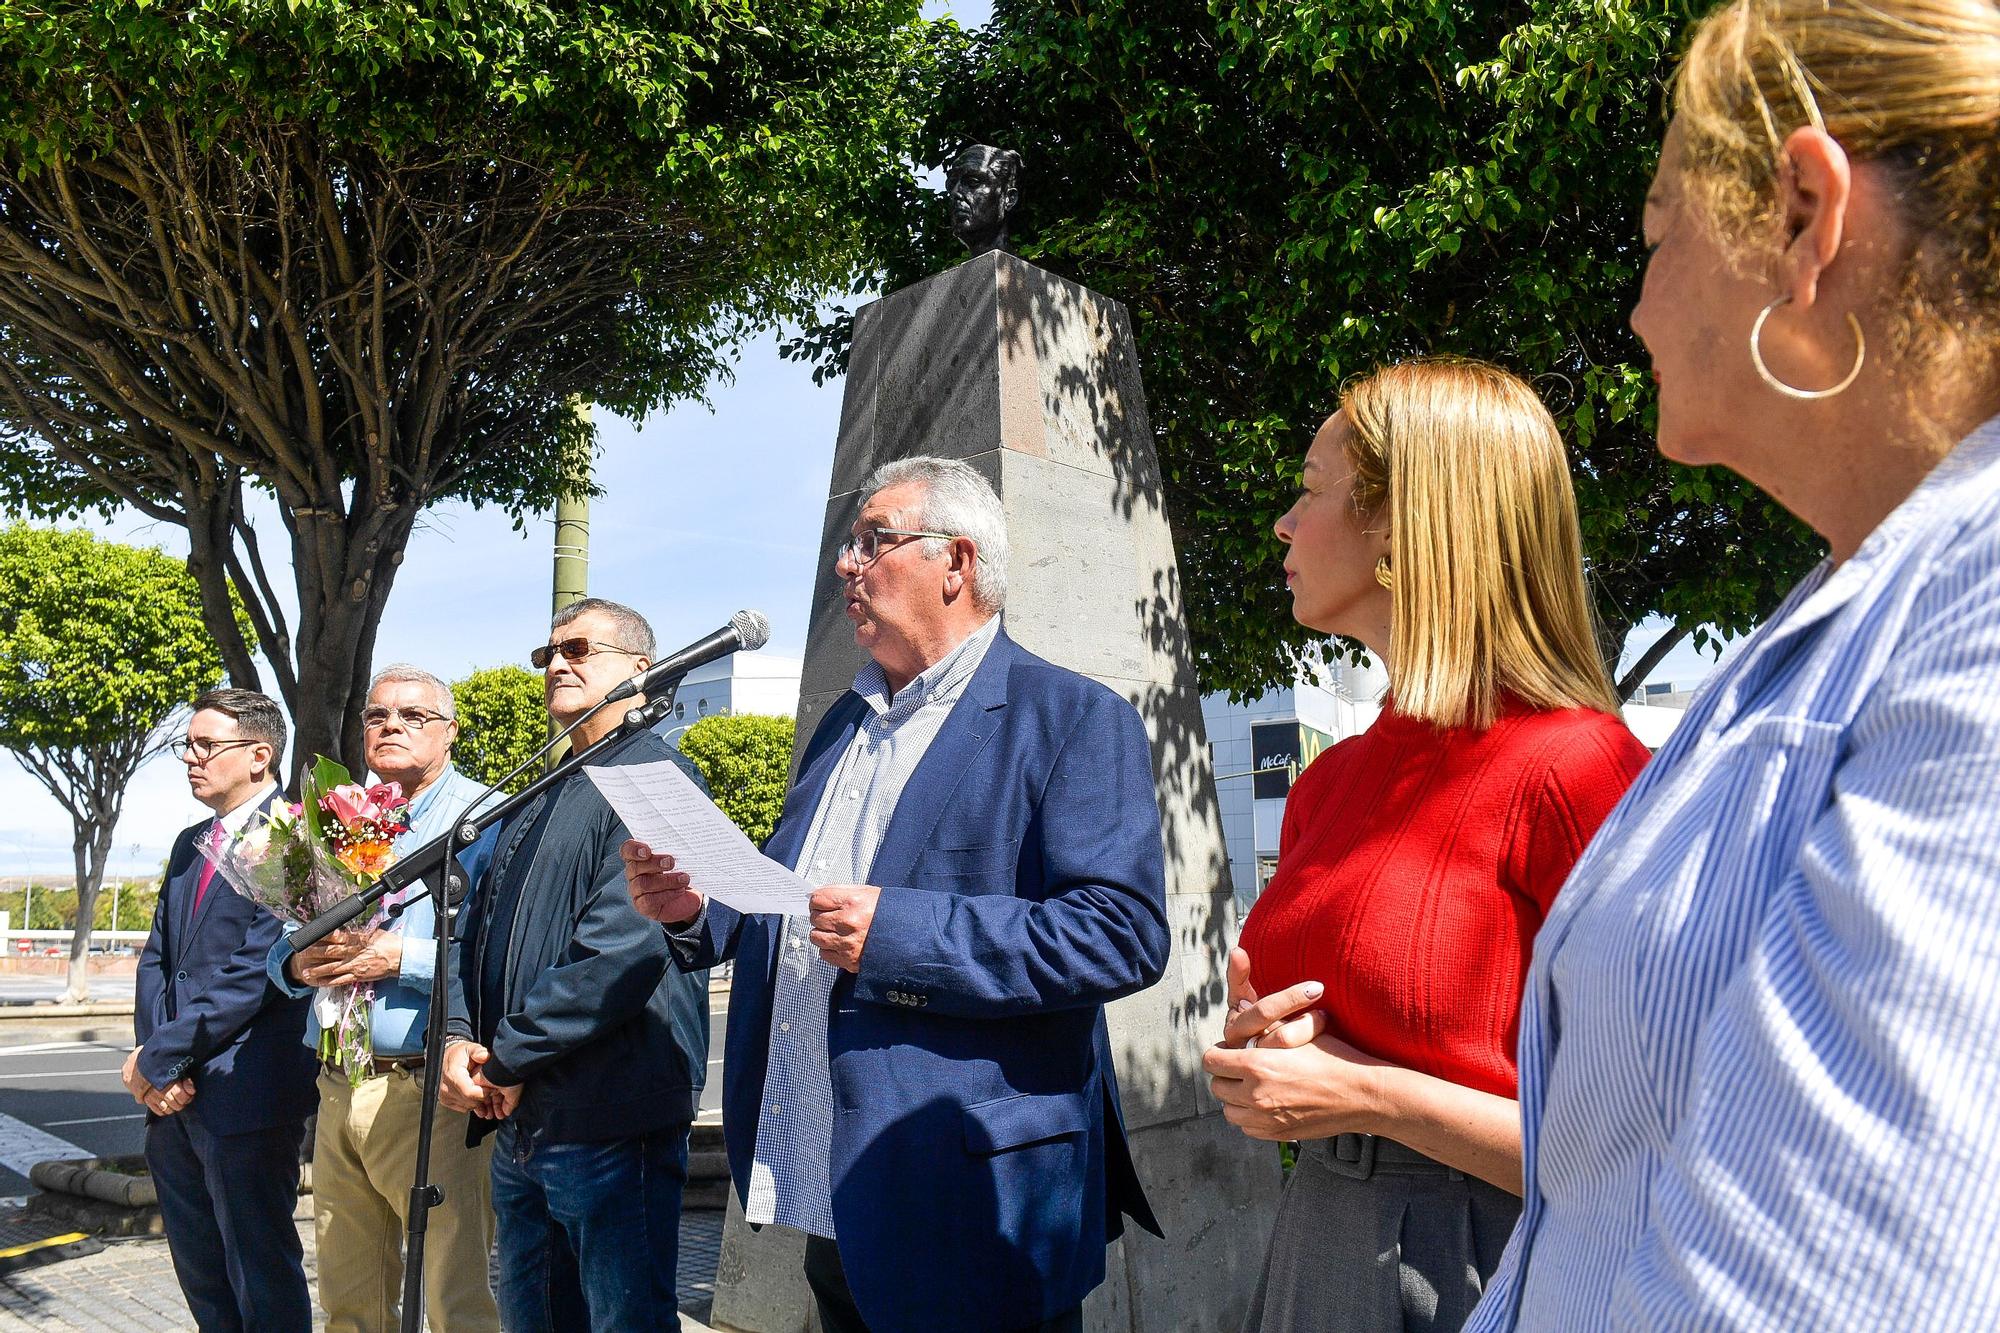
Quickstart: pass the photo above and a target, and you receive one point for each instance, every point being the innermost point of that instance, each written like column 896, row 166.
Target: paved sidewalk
column 130, row 1285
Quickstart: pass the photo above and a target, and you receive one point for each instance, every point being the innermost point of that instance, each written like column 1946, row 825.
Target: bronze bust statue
column 982, row 185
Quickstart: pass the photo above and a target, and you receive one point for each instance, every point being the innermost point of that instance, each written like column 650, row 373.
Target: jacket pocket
column 1022, row 1119
column 989, row 859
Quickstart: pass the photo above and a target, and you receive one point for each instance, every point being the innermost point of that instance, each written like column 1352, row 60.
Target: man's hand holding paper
column 659, row 892
column 707, row 856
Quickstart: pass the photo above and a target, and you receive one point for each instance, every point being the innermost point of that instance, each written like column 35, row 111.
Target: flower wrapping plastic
column 297, row 860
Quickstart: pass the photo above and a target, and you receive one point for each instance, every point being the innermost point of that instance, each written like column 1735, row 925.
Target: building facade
column 739, row 683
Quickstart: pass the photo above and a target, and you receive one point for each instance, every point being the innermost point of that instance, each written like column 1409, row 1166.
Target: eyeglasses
column 865, row 545
column 413, row 719
column 204, row 750
column 574, row 650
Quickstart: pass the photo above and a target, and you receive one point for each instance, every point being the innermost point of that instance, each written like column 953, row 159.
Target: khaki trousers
column 364, row 1158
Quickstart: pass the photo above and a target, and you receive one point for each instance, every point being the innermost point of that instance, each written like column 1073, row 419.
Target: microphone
column 746, row 631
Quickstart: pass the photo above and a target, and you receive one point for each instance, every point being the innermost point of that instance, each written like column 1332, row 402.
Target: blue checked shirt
column 791, row 1173
column 396, row 1020
column 1760, row 1047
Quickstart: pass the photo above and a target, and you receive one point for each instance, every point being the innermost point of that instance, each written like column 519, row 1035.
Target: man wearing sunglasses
column 365, row 1140
column 220, row 1067
column 573, row 1033
column 918, row 1073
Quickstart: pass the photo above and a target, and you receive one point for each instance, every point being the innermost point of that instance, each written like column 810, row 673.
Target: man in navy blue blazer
column 917, row 1072
column 220, row 1065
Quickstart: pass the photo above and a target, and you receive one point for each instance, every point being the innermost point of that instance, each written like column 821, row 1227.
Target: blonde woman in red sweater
column 1377, row 988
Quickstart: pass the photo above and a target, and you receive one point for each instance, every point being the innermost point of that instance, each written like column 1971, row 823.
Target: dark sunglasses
column 573, row 651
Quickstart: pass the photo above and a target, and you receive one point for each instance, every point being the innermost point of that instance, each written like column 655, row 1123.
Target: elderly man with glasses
column 918, row 1072
column 365, row 1144
column 218, row 1065
column 572, row 1031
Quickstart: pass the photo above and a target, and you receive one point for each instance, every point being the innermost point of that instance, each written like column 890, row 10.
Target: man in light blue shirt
column 364, row 1150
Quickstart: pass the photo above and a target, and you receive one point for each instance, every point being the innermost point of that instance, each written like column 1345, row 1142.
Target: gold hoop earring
column 1383, row 574
column 1764, row 371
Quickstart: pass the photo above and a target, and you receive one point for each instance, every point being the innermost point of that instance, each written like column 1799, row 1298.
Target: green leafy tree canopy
column 746, row 758
column 1288, row 195
column 101, row 646
column 502, row 721
column 365, row 257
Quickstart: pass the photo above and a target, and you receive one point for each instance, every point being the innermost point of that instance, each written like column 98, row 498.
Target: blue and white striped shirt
column 791, row 1171
column 1760, row 1047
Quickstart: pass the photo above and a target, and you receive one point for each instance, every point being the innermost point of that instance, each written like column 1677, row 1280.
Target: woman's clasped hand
column 1279, row 1073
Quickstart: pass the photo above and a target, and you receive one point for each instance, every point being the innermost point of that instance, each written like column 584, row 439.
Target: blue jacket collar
column 930, row 789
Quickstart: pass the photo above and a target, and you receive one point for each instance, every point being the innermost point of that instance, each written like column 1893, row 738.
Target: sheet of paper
column 668, row 813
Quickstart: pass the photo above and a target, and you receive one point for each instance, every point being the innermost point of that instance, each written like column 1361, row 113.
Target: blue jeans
column 589, row 1233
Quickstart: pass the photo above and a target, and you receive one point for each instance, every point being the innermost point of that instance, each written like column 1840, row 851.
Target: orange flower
column 366, row 858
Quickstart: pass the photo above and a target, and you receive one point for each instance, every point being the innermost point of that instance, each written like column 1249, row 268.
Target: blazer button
column 180, row 976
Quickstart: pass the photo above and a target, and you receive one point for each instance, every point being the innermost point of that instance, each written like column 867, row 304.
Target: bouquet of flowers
column 297, row 860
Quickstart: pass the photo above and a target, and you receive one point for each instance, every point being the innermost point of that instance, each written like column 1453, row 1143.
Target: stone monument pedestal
column 1034, row 381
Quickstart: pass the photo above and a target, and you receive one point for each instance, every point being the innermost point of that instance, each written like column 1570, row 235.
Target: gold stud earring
column 1383, row 575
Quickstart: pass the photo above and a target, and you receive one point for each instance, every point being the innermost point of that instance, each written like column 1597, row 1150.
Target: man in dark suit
column 220, row 1065
column 918, row 1075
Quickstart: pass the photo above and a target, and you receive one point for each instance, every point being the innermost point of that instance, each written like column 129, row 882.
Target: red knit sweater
column 1416, row 865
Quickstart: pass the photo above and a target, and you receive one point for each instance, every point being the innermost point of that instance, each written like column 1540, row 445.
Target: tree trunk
column 344, row 570
column 91, row 852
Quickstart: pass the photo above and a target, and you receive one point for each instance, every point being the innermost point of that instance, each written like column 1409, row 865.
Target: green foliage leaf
column 101, row 647
column 100, row 644
column 366, row 257
column 746, row 758
column 1287, row 195
column 502, row 721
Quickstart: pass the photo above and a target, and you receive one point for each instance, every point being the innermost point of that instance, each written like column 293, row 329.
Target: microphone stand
column 439, row 858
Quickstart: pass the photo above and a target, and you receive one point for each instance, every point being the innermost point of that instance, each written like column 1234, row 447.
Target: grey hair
column 632, row 632
column 403, row 672
column 959, row 501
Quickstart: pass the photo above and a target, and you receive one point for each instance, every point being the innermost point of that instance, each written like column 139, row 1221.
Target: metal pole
column 572, row 546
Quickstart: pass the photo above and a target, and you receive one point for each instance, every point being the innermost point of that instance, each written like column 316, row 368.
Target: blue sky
column 705, row 511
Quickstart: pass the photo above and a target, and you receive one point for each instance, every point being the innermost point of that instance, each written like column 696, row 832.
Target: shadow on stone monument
column 1034, row 381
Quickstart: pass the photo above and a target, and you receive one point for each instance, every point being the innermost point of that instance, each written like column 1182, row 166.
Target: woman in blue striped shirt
column 1760, row 1046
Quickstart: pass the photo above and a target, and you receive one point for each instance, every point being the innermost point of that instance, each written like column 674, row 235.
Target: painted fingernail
column 1313, row 990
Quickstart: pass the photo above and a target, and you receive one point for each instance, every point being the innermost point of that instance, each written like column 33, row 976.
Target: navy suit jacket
column 204, row 1004
column 979, row 1157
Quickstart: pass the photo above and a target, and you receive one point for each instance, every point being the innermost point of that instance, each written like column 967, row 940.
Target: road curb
column 104, row 1196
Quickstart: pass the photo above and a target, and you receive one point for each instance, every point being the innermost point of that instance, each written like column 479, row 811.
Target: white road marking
column 94, row 1120
column 61, row 1073
column 44, row 1047
column 22, row 1145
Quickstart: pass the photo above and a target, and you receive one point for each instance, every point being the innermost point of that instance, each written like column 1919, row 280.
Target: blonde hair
column 1913, row 85
column 1486, row 557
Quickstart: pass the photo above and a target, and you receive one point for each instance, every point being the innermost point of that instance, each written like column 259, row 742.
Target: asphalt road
column 63, row 1098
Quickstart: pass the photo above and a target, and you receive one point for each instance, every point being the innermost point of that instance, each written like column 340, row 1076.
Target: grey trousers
column 1375, row 1237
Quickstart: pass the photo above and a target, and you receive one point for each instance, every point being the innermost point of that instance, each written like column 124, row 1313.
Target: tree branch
column 1629, row 683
